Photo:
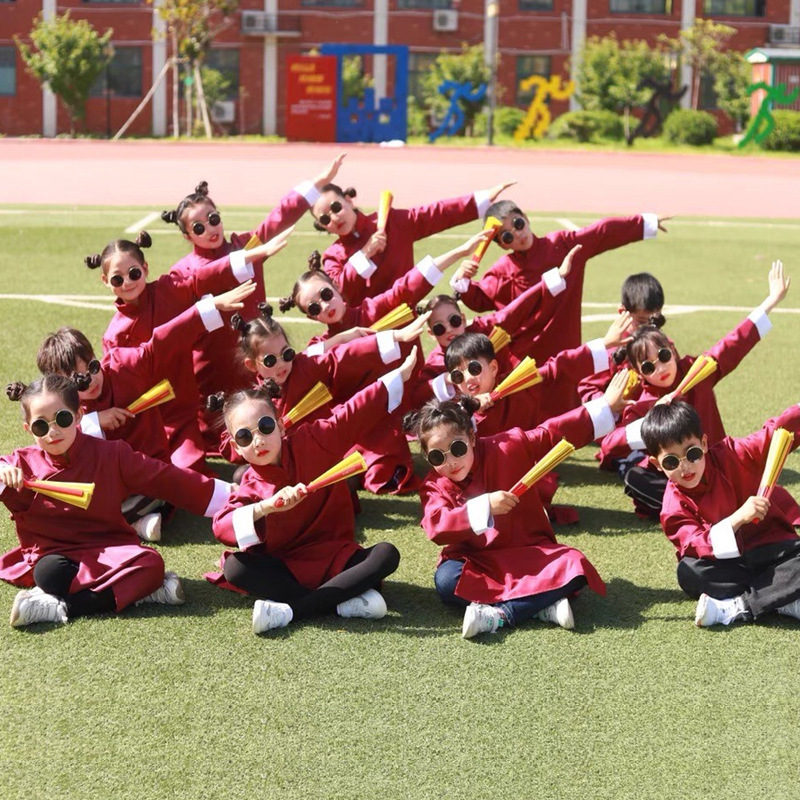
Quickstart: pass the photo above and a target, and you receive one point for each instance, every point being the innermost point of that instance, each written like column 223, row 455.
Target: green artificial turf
column 186, row 702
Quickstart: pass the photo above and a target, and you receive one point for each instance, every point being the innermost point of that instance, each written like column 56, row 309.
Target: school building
column 535, row 37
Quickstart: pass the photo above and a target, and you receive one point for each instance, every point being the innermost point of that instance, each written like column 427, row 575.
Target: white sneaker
column 559, row 613
column 268, row 615
column 148, row 528
column 790, row 609
column 170, row 593
column 33, row 605
column 369, row 605
column 479, row 618
column 718, row 612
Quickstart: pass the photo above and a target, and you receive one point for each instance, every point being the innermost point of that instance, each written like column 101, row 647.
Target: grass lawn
column 185, row 702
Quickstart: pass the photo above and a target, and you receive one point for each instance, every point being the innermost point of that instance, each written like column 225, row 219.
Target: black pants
column 768, row 577
column 54, row 574
column 268, row 578
column 646, row 487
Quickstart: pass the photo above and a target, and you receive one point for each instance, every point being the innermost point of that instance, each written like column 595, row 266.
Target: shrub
column 786, row 133
column 684, row 126
column 585, row 126
column 417, row 119
column 507, row 119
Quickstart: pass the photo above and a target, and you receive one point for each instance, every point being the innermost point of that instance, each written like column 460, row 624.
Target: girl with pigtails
column 201, row 224
column 107, row 387
column 75, row 560
column 317, row 296
column 269, row 358
column 500, row 559
column 141, row 306
column 364, row 261
column 296, row 549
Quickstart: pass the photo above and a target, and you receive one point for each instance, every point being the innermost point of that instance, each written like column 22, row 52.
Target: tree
column 69, row 57
column 701, row 47
column 464, row 67
column 192, row 26
column 732, row 75
column 612, row 76
column 354, row 81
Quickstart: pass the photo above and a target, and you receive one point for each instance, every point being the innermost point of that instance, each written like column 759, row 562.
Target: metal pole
column 490, row 45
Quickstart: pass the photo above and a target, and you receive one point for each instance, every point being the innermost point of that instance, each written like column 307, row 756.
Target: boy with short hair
column 737, row 552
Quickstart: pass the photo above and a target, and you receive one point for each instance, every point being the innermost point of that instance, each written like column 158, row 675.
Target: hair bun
column 202, row 188
column 143, row 240
column 469, row 404
column 215, row 402
column 619, row 355
column 265, row 309
column 271, row 389
column 657, row 320
column 411, row 422
column 170, row 217
column 286, row 303
column 93, row 261
column 238, row 324
column 14, row 390
column 314, row 261
column 349, row 192
column 83, row 380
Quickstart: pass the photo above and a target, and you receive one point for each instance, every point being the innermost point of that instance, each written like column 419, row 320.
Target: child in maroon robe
column 364, row 262
column 85, row 561
column 297, row 549
column 738, row 553
column 500, row 558
column 660, row 369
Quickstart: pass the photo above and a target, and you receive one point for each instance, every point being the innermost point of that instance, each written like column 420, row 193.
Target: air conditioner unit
column 257, row 22
column 779, row 33
column 223, row 111
column 445, row 20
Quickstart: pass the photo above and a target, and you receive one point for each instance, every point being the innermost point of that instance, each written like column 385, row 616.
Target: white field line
column 100, row 304
column 568, row 224
column 143, row 222
column 744, row 223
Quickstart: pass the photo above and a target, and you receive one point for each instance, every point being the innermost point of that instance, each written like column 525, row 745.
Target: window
column 419, row 64
column 227, row 62
column 535, row 5
column 708, row 97
column 401, row 4
column 124, row 74
column 735, row 8
column 8, row 71
column 641, row 6
column 337, row 3
column 527, row 66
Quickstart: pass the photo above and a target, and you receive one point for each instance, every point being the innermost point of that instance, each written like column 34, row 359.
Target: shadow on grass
column 388, row 512
column 607, row 522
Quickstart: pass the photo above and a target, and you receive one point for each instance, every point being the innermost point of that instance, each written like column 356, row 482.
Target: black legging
column 54, row 574
column 268, row 578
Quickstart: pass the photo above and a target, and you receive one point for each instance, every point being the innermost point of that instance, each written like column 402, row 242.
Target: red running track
column 159, row 174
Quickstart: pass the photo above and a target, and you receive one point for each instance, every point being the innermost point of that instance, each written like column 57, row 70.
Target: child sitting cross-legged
column 738, row 553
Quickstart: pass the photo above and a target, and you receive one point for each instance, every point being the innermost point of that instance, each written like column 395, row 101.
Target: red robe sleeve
column 427, row 220
column 445, row 519
column 250, row 491
column 575, row 426
column 731, row 350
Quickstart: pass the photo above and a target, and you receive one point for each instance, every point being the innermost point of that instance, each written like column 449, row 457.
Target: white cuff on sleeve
column 442, row 390
column 212, row 319
column 482, row 201
column 762, row 322
column 316, row 349
column 480, row 517
column 2, row 487
column 633, row 433
column 241, row 270
column 90, row 425
column 387, row 346
column 364, row 266
column 309, row 191
column 460, row 285
column 429, row 270
column 599, row 355
column 723, row 540
column 394, row 386
column 602, row 416
column 244, row 527
column 650, row 226
column 554, row 282
column 219, row 497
